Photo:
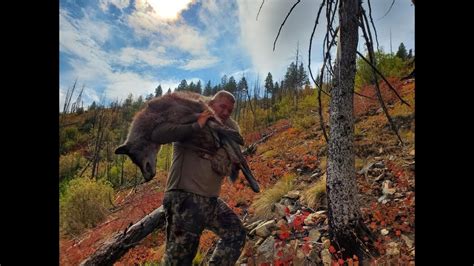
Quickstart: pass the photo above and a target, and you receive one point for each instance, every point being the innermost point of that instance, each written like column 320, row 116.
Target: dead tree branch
column 372, row 62
column 281, row 26
column 263, row 1
column 120, row 243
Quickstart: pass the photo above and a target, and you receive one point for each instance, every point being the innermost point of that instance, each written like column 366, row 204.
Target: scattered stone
column 326, row 257
column 265, row 250
column 299, row 258
column 393, row 249
column 365, row 169
column 264, row 229
column 387, row 188
column 383, row 199
column 313, row 218
column 279, row 209
column 384, row 232
column 380, row 177
column 326, row 243
column 380, row 165
column 314, row 258
column 407, row 240
column 314, row 235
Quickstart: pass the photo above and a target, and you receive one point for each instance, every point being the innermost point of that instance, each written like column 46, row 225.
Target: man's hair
column 223, row 94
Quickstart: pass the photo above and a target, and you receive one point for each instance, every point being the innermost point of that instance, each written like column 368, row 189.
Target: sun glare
column 169, row 10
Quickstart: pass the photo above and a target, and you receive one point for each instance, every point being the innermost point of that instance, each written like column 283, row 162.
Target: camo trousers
column 187, row 215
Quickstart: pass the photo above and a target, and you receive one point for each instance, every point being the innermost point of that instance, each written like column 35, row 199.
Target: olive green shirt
column 189, row 171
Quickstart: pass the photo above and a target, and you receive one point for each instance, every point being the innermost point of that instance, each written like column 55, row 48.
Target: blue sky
column 117, row 47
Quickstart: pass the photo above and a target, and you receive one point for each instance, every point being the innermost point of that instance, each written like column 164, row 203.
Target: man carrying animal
column 191, row 200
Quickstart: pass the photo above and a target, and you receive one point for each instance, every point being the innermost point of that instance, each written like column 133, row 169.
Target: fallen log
column 119, row 244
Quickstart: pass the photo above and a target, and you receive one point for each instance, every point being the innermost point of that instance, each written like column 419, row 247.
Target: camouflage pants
column 187, row 215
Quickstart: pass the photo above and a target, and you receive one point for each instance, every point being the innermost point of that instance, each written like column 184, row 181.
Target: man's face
column 223, row 107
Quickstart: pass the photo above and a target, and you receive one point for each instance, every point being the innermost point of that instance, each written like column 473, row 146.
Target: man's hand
column 203, row 117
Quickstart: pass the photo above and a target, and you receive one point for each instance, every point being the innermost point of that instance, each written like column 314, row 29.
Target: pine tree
column 183, row 85
column 158, row 91
column 410, row 54
column 402, row 52
column 208, row 89
column 198, row 88
column 231, row 85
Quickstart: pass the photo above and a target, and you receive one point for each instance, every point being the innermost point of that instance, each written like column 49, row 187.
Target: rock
column 383, row 199
column 407, row 240
column 376, row 171
column 279, row 210
column 380, row 165
column 294, row 194
column 380, row 150
column 265, row 229
column 412, row 152
column 380, row 177
column 387, row 188
column 326, row 257
column 326, row 243
column 391, row 158
column 265, row 250
column 313, row 257
column 286, row 201
column 281, row 222
column 393, row 249
column 299, row 258
column 365, row 169
column 384, row 232
column 398, row 195
column 313, row 218
column 314, row 235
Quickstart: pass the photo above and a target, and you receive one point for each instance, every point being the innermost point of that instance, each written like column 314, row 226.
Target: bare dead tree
column 75, row 105
column 369, row 42
column 67, row 99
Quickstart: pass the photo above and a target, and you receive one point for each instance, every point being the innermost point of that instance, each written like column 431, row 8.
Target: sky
column 114, row 48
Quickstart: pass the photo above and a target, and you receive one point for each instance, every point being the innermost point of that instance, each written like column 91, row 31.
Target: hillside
column 289, row 214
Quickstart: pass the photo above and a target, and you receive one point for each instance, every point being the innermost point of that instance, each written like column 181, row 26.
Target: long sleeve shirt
column 189, row 171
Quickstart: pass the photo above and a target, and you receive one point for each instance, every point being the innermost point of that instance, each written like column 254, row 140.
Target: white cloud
column 169, row 10
column 146, row 23
column 120, row 84
column 120, row 4
column 200, row 63
column 151, row 56
column 92, row 65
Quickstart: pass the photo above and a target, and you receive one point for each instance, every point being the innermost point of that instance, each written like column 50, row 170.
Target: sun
column 169, row 10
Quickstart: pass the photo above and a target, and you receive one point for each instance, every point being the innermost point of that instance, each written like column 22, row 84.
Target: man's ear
column 122, row 149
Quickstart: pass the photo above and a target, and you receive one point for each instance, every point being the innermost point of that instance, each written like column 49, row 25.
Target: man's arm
column 170, row 132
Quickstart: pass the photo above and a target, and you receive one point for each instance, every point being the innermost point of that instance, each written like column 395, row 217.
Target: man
column 191, row 199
